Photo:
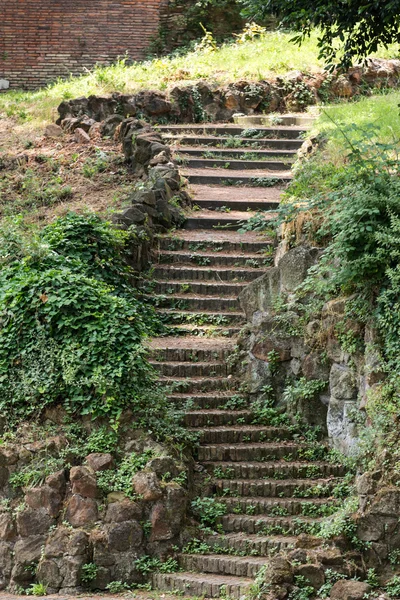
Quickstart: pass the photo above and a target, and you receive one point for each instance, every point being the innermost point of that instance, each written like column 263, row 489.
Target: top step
column 233, row 130
column 297, row 120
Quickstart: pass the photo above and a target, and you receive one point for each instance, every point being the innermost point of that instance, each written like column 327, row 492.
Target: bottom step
column 203, row 585
column 223, row 564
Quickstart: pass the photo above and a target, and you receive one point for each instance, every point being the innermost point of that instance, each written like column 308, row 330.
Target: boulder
column 98, row 461
column 278, row 571
column 314, row 573
column 350, row 590
column 44, row 497
column 147, row 486
column 81, row 511
column 126, row 510
column 342, row 383
column 32, row 522
column 7, row 527
column 83, row 482
column 110, row 124
column 124, row 536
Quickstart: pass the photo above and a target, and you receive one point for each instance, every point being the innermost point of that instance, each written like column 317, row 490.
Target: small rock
column 95, row 131
column 33, row 522
column 81, row 136
column 53, row 131
column 99, row 461
column 350, row 590
column 124, row 536
column 147, row 486
column 44, row 497
column 127, row 510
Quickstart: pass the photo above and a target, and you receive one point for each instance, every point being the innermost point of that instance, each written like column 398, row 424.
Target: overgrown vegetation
column 350, row 207
column 73, row 329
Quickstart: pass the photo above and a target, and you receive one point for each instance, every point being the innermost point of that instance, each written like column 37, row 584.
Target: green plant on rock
column 331, row 577
column 208, row 511
column 151, row 564
column 117, row 587
column 120, row 479
column 303, row 590
column 393, row 587
column 89, row 572
column 37, row 589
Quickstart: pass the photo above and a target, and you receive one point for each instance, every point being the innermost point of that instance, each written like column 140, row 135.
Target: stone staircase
column 259, row 472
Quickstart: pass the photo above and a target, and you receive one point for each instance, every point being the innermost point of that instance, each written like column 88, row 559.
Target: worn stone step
column 227, row 129
column 269, row 525
column 266, row 506
column 203, row 330
column 191, row 369
column 203, row 401
column 276, row 470
column 210, row 219
column 203, row 585
column 253, row 259
column 243, row 434
column 204, row 240
column 227, row 143
column 234, row 205
column 299, row 120
column 257, row 545
column 275, row 488
column 249, row 452
column 202, row 318
column 235, row 153
column 217, row 304
column 241, row 566
column 218, row 176
column 216, row 289
column 199, row 384
column 204, row 418
column 182, row 354
column 236, row 165
column 216, row 274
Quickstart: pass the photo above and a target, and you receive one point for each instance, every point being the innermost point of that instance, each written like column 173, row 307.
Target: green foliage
column 359, row 26
column 149, row 564
column 102, row 439
column 37, row 589
column 73, row 329
column 120, row 479
column 303, row 590
column 208, row 511
column 331, row 577
column 117, row 587
column 303, row 389
column 393, row 587
column 89, row 572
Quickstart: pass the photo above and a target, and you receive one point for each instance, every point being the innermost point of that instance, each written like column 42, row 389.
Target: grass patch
column 270, row 55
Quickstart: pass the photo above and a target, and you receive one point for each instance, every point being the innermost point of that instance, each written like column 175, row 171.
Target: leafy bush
column 73, row 328
column 89, row 572
column 120, row 479
column 393, row 587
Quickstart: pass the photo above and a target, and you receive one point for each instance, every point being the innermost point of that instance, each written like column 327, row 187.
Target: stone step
column 299, row 120
column 226, row 142
column 241, row 566
column 216, row 289
column 215, row 274
column 314, row 488
column 235, row 205
column 209, row 219
column 201, row 318
column 218, row 176
column 274, row 132
column 269, row 525
column 203, row 330
column 236, row 165
column 204, row 418
column 249, row 452
column 206, row 241
column 275, row 470
column 202, row 585
column 187, row 151
column 216, row 259
column 243, row 434
column 266, row 506
column 199, row 384
column 182, row 354
column 188, row 302
column 256, row 545
column 205, row 400
column 188, row 369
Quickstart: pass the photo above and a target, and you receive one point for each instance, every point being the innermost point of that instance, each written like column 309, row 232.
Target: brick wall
column 41, row 40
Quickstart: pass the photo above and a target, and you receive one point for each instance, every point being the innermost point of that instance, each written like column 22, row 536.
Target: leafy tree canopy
column 350, row 29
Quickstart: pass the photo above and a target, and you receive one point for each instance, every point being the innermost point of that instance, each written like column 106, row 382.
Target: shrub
column 208, row 510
